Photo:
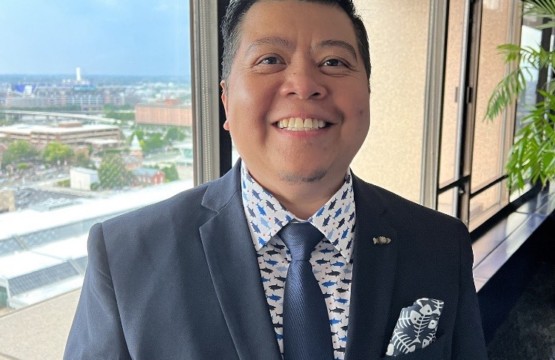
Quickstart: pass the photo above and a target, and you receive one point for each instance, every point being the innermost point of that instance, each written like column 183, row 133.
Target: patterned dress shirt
column 331, row 258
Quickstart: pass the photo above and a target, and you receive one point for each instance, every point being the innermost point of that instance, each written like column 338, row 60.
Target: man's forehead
column 322, row 5
column 254, row 23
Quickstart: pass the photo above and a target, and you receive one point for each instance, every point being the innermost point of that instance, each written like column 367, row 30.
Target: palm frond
column 506, row 92
column 540, row 8
column 532, row 157
column 514, row 83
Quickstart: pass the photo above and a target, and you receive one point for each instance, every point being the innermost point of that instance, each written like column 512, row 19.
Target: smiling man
column 296, row 100
column 289, row 255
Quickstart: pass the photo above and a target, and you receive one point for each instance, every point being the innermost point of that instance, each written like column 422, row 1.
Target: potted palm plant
column 532, row 156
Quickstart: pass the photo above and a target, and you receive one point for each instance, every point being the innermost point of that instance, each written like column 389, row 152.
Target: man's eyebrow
column 270, row 40
column 339, row 43
column 284, row 43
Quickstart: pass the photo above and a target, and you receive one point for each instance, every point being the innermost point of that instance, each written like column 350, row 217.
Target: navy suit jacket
column 180, row 280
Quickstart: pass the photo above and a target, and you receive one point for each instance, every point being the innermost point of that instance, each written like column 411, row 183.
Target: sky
column 102, row 37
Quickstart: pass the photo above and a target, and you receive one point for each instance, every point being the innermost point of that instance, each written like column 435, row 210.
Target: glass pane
column 450, row 125
column 486, row 204
column 489, row 146
column 530, row 38
column 392, row 154
column 447, row 202
column 95, row 120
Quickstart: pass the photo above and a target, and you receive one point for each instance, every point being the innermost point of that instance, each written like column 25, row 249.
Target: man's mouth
column 300, row 124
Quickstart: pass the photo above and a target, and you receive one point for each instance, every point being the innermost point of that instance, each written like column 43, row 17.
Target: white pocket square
column 416, row 327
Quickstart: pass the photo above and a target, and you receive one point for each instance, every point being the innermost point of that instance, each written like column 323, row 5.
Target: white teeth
column 298, row 124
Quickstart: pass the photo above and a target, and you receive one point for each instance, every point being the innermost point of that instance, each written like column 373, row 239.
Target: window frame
column 467, row 118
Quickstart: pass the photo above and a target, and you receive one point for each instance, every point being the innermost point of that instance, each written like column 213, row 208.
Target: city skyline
column 102, row 37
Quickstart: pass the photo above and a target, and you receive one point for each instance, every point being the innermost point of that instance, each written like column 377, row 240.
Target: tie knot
column 300, row 239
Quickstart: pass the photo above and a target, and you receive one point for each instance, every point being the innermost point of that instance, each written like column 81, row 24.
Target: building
column 7, row 201
column 70, row 133
column 168, row 113
column 146, row 176
column 80, row 95
column 27, row 276
column 135, row 149
column 82, row 179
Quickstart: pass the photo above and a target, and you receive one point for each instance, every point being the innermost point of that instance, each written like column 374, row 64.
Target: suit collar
column 374, row 266
column 234, row 269
column 221, row 191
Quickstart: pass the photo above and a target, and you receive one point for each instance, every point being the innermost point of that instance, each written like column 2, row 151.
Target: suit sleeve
column 97, row 332
column 468, row 341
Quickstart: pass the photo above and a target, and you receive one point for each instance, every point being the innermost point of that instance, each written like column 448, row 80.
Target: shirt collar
column 266, row 216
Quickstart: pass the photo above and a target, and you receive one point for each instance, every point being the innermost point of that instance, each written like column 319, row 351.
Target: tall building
column 78, row 75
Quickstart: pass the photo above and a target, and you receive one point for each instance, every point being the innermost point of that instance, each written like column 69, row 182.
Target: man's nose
column 304, row 82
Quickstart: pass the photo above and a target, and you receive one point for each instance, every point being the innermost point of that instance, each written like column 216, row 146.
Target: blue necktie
column 306, row 326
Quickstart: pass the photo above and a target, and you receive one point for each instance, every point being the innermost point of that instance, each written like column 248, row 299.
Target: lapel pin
column 381, row 240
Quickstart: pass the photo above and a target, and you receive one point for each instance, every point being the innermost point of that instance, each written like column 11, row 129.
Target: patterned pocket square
column 416, row 327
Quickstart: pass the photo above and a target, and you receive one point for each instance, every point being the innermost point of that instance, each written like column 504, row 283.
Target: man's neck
column 303, row 199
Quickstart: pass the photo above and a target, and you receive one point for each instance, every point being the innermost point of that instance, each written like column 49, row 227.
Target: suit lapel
column 373, row 276
column 235, row 273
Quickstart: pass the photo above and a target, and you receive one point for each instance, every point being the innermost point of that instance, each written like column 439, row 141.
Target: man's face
column 296, row 99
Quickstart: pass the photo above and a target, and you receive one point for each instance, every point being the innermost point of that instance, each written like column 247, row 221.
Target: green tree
column 136, row 134
column 64, row 183
column 83, row 160
column 139, row 133
column 126, row 116
column 112, row 173
column 174, row 134
column 152, row 142
column 170, row 173
column 111, row 107
column 19, row 151
column 56, row 152
column 23, row 166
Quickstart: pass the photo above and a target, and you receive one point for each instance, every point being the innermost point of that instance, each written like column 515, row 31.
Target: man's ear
column 223, row 85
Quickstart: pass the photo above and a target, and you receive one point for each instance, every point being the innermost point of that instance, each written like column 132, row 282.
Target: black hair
column 237, row 9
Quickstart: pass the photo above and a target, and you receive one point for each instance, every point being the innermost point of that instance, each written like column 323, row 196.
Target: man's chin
column 303, row 177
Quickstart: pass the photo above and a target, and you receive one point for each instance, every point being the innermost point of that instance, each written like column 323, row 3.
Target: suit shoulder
column 182, row 204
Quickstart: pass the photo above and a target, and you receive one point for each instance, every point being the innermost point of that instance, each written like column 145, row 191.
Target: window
column 431, row 81
column 96, row 119
column 473, row 150
column 491, row 140
column 392, row 154
column 451, row 131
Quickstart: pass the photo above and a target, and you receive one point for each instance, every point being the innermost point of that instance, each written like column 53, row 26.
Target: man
column 204, row 275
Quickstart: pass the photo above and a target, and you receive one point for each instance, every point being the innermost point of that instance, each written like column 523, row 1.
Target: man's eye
column 333, row 62
column 270, row 60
